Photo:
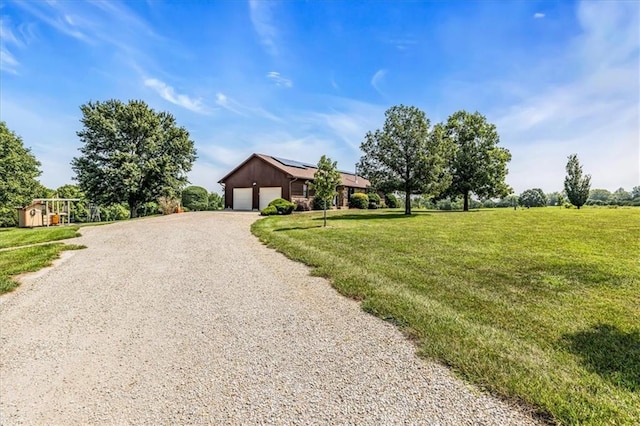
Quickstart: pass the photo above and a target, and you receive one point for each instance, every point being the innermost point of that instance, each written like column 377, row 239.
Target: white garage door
column 242, row 198
column 268, row 194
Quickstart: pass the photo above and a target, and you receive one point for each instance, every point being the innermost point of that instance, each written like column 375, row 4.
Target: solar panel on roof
column 293, row 163
column 301, row 165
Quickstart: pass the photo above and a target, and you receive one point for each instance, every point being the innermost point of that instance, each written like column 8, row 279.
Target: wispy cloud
column 596, row 114
column 229, row 104
column 279, row 80
column 169, row 94
column 377, row 79
column 538, row 15
column 403, row 43
column 262, row 18
column 8, row 62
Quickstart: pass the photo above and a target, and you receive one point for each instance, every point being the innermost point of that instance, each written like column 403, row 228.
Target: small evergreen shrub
column 391, row 200
column 269, row 211
column 282, row 206
column 359, row 201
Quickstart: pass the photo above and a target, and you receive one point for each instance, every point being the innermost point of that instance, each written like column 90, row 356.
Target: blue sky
column 301, row 79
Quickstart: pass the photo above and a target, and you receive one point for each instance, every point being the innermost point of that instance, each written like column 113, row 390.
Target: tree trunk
column 325, row 213
column 133, row 209
column 407, row 202
column 466, row 202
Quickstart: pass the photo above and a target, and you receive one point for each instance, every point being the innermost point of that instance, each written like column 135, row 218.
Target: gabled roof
column 300, row 170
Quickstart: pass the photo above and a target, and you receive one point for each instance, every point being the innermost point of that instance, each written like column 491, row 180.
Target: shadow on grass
column 296, row 228
column 365, row 216
column 610, row 353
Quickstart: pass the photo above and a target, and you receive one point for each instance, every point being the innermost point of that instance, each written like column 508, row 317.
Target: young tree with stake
column 325, row 181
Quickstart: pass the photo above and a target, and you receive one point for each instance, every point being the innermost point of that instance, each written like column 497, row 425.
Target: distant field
column 541, row 305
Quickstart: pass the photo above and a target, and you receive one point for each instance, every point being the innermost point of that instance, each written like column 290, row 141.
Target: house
column 261, row 179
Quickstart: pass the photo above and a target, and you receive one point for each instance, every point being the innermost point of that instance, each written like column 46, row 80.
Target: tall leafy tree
column 406, row 155
column 478, row 164
column 131, row 154
column 19, row 170
column 533, row 198
column 575, row 184
column 325, row 181
column 603, row 195
column 195, row 198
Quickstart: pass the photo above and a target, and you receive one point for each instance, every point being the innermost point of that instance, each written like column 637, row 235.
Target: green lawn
column 19, row 259
column 28, row 259
column 540, row 305
column 15, row 237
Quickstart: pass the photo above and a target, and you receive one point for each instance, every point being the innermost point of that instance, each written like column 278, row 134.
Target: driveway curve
column 188, row 319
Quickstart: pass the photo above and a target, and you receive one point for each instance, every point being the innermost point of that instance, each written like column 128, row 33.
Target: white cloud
column 8, row 62
column 228, row 104
column 169, row 94
column 596, row 114
column 377, row 79
column 261, row 13
column 279, row 80
column 539, row 15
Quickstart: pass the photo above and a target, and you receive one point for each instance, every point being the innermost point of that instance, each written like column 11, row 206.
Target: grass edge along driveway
column 539, row 305
column 16, row 259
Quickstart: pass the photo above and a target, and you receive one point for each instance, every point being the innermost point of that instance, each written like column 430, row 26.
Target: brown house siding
column 258, row 172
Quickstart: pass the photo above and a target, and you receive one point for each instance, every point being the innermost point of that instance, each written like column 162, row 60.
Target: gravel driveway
column 188, row 319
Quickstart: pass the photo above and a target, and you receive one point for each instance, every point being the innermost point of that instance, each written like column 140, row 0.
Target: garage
column 243, row 198
column 268, row 194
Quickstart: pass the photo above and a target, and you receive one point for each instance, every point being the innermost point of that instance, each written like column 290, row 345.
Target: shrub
column 374, row 200
column 114, row 212
column 269, row 211
column 359, row 201
column 489, row 204
column 215, row 202
column 167, row 205
column 391, row 200
column 302, row 206
column 195, row 198
column 8, row 217
column 282, row 206
column 318, row 204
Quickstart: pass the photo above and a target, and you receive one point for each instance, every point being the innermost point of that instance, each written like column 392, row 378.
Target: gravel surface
column 188, row 319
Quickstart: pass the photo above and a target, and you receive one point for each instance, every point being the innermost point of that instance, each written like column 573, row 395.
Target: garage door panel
column 268, row 194
column 242, row 198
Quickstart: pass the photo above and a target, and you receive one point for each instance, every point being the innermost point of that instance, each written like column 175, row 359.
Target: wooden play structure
column 45, row 212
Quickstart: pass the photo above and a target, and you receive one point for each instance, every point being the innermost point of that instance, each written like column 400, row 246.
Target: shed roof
column 300, row 170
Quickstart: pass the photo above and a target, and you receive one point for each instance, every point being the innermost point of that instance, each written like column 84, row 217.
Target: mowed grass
column 28, row 259
column 539, row 305
column 15, row 237
column 16, row 261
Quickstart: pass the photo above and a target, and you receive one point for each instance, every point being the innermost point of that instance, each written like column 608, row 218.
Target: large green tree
column 576, row 185
column 533, row 198
column 131, row 154
column 478, row 164
column 195, row 198
column 325, row 181
column 19, row 170
column 406, row 155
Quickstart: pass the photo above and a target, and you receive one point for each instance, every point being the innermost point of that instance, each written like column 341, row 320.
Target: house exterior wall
column 262, row 174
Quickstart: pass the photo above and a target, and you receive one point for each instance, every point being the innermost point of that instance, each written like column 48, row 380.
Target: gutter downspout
column 290, row 182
